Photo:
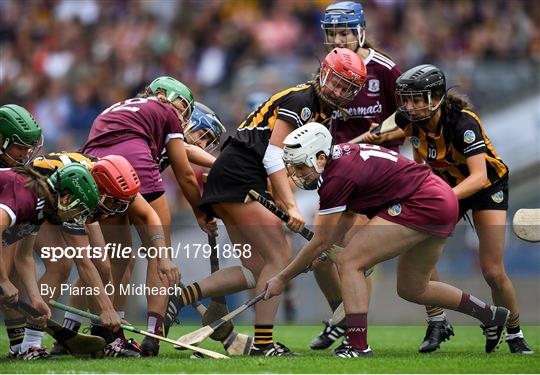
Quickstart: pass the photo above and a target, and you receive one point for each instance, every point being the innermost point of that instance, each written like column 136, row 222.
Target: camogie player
column 411, row 211
column 139, row 129
column 344, row 25
column 118, row 186
column 449, row 137
column 27, row 199
column 202, row 136
column 246, row 162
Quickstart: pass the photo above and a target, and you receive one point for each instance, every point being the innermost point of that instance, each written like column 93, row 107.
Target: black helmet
column 425, row 80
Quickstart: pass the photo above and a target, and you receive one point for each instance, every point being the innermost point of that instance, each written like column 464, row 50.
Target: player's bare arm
column 280, row 184
column 197, row 155
column 25, row 266
column 186, row 179
column 476, row 179
column 9, row 292
column 323, row 237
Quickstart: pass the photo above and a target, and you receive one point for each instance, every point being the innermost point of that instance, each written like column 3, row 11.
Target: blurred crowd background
column 67, row 60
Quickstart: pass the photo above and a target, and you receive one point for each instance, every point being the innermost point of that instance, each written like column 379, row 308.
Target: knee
column 346, row 263
column 409, row 293
column 494, row 276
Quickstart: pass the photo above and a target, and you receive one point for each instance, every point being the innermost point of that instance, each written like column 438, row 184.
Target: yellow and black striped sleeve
column 470, row 139
column 46, row 165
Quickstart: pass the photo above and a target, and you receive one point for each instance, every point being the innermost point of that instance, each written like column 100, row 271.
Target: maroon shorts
column 137, row 152
column 432, row 209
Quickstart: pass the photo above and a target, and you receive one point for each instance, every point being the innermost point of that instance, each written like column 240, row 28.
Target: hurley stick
column 96, row 319
column 76, row 343
column 387, row 126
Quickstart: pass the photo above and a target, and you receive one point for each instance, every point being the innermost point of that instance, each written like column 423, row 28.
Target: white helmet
column 304, row 143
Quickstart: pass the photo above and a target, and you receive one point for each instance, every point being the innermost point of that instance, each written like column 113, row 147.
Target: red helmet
column 117, row 182
column 342, row 76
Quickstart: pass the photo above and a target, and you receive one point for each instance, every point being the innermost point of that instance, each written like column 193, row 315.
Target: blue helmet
column 255, row 99
column 347, row 15
column 206, row 119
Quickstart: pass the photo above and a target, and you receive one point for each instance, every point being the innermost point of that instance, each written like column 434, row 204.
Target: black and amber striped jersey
column 297, row 105
column 46, row 165
column 460, row 135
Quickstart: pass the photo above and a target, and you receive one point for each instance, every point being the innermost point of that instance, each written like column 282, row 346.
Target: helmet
column 425, row 80
column 117, row 182
column 17, row 126
column 174, row 89
column 206, row 119
column 342, row 69
column 301, row 147
column 254, row 100
column 76, row 180
column 344, row 15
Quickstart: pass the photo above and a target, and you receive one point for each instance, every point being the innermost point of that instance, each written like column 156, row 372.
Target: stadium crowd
column 67, row 60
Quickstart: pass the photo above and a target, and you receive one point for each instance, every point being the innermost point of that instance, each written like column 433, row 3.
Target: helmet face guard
column 18, row 127
column 342, row 90
column 113, row 206
column 183, row 107
column 194, row 137
column 341, row 76
column 301, row 150
column 405, row 98
column 33, row 149
column 204, row 123
column 76, row 192
column 75, row 210
column 417, row 88
column 117, row 182
column 305, row 181
column 343, row 16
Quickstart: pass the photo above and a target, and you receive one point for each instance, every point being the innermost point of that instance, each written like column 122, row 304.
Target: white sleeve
column 11, row 214
column 273, row 159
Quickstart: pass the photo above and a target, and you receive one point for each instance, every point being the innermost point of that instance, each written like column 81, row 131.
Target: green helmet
column 76, row 180
column 174, row 89
column 18, row 126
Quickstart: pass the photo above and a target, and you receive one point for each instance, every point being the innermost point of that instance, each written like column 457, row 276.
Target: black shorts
column 494, row 197
column 237, row 170
column 152, row 196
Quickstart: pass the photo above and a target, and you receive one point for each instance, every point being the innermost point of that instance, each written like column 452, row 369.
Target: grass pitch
column 395, row 351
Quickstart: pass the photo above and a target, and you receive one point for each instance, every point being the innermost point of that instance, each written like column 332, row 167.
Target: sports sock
column 511, row 336
column 357, row 330
column 15, row 332
column 263, row 335
column 32, row 337
column 155, row 323
column 189, row 294
column 72, row 321
column 435, row 314
column 513, row 324
column 472, row 306
column 334, row 305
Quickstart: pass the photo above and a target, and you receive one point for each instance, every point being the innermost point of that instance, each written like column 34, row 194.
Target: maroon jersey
column 374, row 103
column 23, row 206
column 374, row 181
column 145, row 118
